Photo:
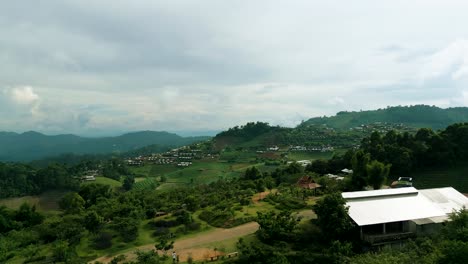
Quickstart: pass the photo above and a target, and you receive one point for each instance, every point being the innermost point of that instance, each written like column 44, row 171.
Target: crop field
column 203, row 172
column 456, row 177
column 146, row 184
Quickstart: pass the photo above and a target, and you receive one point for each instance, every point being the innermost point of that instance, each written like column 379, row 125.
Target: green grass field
column 299, row 155
column 456, row 177
column 105, row 181
column 146, row 184
column 47, row 201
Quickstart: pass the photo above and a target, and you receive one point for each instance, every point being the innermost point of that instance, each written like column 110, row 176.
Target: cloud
column 451, row 61
column 23, row 95
column 96, row 67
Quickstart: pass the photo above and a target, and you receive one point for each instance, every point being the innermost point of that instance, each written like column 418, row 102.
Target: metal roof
column 393, row 205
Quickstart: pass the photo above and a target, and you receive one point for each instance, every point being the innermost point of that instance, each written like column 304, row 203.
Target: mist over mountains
column 33, row 145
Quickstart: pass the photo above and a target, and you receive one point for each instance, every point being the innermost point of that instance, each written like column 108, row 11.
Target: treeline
column 250, row 130
column 414, row 116
column 405, row 152
column 18, row 179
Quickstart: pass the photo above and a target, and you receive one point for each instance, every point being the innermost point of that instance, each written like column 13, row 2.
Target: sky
column 111, row 66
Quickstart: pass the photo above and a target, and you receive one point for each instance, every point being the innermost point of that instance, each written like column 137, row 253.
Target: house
column 334, row 177
column 88, row 178
column 347, row 171
column 306, row 182
column 393, row 215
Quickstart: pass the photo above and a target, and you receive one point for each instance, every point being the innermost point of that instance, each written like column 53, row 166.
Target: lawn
column 456, row 177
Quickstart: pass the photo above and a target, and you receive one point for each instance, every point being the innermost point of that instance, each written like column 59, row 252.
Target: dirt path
column 194, row 246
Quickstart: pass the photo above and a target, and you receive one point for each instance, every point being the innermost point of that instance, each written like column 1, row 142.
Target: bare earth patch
column 194, row 245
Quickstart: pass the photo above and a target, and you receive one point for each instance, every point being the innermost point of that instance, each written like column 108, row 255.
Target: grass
column 299, row 155
column 149, row 183
column 455, row 177
column 203, row 172
column 105, row 181
column 47, row 201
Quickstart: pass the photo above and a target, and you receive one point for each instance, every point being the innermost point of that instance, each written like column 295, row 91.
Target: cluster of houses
column 181, row 157
column 327, row 148
column 89, row 175
column 381, row 127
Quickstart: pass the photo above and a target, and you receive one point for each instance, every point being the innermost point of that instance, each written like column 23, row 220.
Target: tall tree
column 332, row 215
column 359, row 176
column 377, row 173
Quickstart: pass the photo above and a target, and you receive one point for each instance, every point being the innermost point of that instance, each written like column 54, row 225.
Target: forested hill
column 417, row 116
column 33, row 145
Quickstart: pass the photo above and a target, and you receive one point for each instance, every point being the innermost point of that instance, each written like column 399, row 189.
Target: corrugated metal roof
column 393, row 205
column 379, row 193
column 446, row 199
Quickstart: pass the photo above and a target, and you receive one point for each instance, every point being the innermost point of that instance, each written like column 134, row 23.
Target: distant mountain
column 32, row 145
column 417, row 116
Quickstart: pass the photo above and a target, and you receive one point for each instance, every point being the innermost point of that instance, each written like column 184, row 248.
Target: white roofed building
column 389, row 215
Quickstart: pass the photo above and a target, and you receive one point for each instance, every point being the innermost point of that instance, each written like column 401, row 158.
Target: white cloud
column 24, row 95
column 451, row 61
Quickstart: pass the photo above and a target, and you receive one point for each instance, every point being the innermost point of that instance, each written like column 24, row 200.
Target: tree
column 164, row 245
column 127, row 227
column 128, row 182
column 359, row 176
column 319, row 166
column 275, row 226
column 61, row 251
column 93, row 221
column 147, row 257
column 332, row 215
column 377, row 173
column 72, row 203
column 457, row 227
column 252, row 174
column 28, row 216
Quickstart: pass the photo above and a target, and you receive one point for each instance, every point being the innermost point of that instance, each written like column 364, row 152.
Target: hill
column 33, row 145
column 417, row 116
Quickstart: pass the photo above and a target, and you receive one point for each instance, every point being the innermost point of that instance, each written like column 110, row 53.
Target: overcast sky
column 105, row 67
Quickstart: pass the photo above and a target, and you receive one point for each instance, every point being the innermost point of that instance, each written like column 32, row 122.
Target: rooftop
column 393, row 205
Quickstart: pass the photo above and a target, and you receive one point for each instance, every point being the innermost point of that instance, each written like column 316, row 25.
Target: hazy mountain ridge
column 416, row 116
column 34, row 145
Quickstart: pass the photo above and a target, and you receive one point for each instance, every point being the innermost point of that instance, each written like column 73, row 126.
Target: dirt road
column 194, row 246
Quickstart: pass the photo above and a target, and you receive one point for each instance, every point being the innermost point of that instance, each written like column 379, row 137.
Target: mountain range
column 417, row 116
column 33, row 145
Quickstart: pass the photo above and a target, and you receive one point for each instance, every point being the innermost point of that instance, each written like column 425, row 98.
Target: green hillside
column 417, row 116
column 33, row 145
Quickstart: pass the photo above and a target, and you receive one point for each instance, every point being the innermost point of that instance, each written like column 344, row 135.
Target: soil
column 194, row 246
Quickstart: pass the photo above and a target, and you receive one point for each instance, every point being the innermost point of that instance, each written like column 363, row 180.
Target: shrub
column 102, row 240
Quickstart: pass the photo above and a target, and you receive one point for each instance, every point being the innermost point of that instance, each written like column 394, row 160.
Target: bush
column 102, row 240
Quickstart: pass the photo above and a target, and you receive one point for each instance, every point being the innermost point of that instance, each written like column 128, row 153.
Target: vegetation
column 417, row 116
column 125, row 208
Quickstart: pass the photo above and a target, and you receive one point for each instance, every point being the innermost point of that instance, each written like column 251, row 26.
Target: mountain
column 32, row 145
column 416, row 116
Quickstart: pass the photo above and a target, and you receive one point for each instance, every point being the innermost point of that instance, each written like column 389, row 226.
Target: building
column 392, row 215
